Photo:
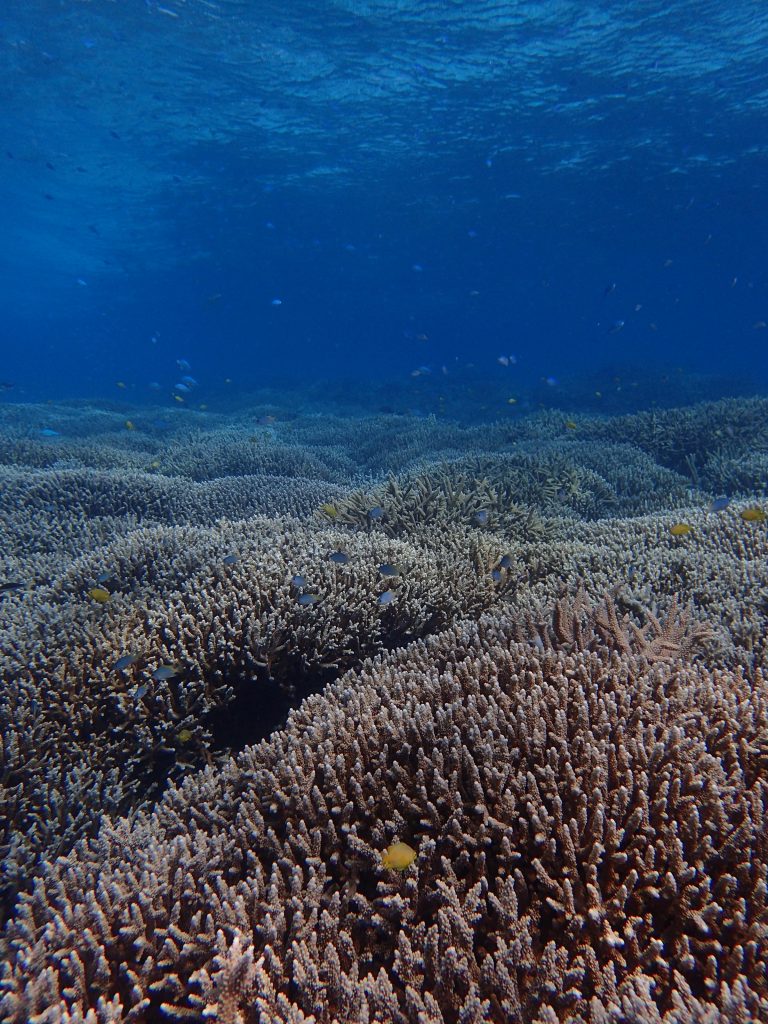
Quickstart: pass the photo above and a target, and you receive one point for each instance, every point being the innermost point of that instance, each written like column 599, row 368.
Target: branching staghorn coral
column 591, row 846
column 214, row 629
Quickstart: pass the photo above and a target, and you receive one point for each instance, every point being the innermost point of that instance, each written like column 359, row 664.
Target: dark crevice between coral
column 260, row 707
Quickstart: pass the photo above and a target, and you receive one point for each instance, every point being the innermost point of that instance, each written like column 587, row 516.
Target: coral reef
column 563, row 712
column 224, row 627
column 590, row 835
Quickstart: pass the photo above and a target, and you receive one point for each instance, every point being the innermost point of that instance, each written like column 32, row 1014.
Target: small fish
column 480, row 518
column 505, row 562
column 398, row 857
column 47, row 432
column 719, row 504
column 329, row 509
column 183, row 388
column 376, row 514
column 165, row 672
column 277, row 302
column 130, row 425
column 189, row 381
column 183, row 364
column 229, row 559
column 616, row 326
column 178, row 398
column 125, row 662
column 308, row 599
column 99, row 595
column 6, row 588
column 551, row 382
column 298, row 582
column 121, row 384
column 141, row 691
column 266, row 421
column 184, row 736
column 104, row 577
column 387, row 569
column 753, row 515
column 680, row 529
column 571, row 425
column 386, row 598
column 339, row 557
column 496, row 575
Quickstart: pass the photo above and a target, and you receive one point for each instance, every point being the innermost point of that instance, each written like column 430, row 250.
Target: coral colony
column 293, row 732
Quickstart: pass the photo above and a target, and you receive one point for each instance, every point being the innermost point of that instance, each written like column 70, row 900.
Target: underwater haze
column 365, row 191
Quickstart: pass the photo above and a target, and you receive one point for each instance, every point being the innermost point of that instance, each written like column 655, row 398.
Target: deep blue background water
column 419, row 184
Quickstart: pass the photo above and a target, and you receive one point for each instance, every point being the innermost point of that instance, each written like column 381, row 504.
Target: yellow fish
column 398, row 857
column 99, row 595
column 329, row 509
column 130, row 425
column 753, row 515
column 184, row 736
column 680, row 529
column 570, row 425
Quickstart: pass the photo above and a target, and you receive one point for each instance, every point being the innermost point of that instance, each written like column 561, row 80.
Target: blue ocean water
column 389, row 196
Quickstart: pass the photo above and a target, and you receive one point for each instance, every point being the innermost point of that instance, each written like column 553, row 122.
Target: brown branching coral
column 591, row 838
column 68, row 712
column 466, row 493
